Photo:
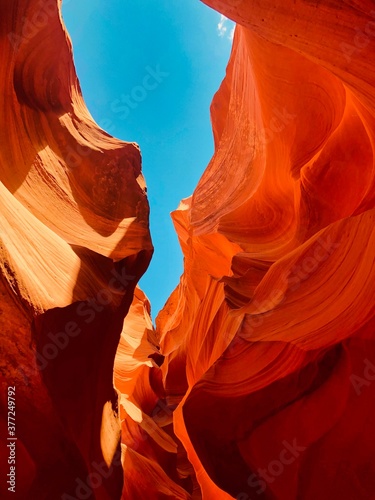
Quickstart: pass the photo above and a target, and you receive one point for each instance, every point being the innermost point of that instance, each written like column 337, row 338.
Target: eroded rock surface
column 258, row 381
column 74, row 241
column 269, row 337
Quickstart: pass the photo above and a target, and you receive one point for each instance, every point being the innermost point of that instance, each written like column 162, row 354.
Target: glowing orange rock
column 269, row 338
column 259, row 379
column 74, row 241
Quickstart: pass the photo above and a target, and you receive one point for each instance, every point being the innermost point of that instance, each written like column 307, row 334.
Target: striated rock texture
column 267, row 387
column 74, row 241
column 282, row 412
column 258, row 382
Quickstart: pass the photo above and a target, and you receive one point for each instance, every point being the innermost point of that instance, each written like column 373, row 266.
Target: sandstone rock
column 74, row 241
column 258, row 381
column 273, row 319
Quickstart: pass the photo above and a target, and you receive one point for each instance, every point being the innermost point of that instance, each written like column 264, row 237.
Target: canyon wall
column 74, row 240
column 269, row 337
column 258, row 379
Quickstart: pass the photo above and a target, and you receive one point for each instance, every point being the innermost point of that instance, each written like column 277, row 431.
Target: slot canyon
column 258, row 380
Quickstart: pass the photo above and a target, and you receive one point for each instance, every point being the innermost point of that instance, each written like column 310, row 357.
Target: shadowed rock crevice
column 258, row 380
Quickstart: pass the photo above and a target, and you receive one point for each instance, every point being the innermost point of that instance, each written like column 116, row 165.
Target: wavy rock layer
column 74, row 241
column 267, row 385
column 259, row 379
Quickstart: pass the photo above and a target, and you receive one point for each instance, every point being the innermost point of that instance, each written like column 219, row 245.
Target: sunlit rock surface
column 259, row 379
column 269, row 339
column 74, row 241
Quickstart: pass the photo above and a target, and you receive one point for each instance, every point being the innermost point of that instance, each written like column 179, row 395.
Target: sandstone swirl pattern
column 74, row 240
column 258, row 381
column 269, row 338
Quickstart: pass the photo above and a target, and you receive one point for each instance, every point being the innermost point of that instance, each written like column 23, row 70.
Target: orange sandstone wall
column 258, row 381
column 74, row 241
column 269, row 338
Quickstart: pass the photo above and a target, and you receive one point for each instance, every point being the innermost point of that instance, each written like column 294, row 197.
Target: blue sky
column 184, row 46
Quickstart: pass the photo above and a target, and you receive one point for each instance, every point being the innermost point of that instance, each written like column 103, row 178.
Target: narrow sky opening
column 148, row 71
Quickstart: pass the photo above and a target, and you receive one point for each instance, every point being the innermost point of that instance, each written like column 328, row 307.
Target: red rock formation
column 269, row 338
column 74, row 240
column 259, row 379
